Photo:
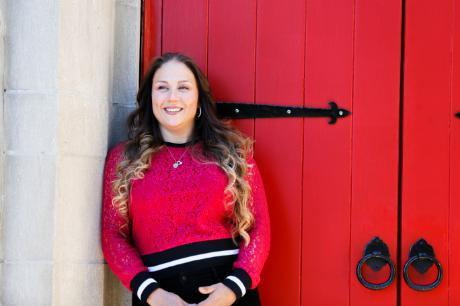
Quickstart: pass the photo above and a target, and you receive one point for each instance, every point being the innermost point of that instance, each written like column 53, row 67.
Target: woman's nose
column 173, row 96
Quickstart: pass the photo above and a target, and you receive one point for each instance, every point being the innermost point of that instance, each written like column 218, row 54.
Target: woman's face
column 175, row 99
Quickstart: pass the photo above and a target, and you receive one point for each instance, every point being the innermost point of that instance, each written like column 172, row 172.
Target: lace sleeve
column 251, row 259
column 119, row 252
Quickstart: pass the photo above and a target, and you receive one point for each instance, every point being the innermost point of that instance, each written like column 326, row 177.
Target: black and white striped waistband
column 191, row 257
column 199, row 254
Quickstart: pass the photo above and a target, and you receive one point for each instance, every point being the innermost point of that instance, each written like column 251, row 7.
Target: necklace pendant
column 177, row 164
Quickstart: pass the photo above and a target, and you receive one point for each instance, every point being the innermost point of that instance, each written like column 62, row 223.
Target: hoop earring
column 199, row 115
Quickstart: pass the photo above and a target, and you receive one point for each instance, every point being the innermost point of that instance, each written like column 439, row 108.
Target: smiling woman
column 185, row 217
column 174, row 101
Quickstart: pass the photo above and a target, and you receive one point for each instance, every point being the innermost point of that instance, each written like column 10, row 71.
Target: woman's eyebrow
column 182, row 81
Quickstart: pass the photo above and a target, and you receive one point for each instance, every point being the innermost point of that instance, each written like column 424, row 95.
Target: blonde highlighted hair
column 222, row 145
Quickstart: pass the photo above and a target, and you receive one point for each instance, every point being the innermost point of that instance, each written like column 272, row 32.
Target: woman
column 185, row 218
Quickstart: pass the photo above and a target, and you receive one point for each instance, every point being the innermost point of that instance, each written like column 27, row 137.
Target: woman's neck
column 176, row 137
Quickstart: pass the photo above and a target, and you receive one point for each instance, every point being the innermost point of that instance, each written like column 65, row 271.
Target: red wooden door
column 332, row 188
column 431, row 146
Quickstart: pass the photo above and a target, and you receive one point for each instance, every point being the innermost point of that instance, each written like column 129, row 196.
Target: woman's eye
column 183, row 87
column 161, row 87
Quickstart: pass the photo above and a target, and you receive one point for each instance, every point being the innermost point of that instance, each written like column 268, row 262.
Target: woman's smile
column 172, row 110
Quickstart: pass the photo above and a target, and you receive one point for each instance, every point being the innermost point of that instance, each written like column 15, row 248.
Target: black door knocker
column 421, row 257
column 376, row 256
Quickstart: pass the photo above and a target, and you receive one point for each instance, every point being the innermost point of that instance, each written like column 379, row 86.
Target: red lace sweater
column 178, row 217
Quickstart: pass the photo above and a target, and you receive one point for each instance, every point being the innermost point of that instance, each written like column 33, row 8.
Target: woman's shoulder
column 112, row 159
column 115, row 152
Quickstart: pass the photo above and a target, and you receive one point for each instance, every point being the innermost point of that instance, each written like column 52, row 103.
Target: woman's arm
column 251, row 259
column 119, row 251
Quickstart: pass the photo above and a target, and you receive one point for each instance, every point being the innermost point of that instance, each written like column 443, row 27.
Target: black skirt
column 185, row 282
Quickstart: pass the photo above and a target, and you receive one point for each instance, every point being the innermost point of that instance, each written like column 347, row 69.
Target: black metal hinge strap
column 247, row 110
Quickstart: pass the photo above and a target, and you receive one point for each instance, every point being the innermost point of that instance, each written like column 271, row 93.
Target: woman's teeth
column 173, row 109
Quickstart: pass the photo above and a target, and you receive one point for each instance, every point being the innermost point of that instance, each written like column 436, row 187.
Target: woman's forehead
column 175, row 72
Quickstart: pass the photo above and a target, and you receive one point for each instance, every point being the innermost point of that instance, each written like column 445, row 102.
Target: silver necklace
column 177, row 162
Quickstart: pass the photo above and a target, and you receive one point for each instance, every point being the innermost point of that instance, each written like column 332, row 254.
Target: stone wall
column 71, row 73
column 2, row 133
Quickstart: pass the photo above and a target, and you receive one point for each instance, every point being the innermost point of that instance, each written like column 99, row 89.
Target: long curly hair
column 222, row 145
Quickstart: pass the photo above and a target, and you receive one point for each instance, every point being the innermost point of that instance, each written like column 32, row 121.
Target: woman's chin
column 175, row 127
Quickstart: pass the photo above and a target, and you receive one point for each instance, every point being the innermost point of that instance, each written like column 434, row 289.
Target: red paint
column 332, row 188
column 231, row 67
column 427, row 157
column 151, row 28
column 185, row 29
column 279, row 80
column 326, row 189
column 375, row 140
column 454, row 151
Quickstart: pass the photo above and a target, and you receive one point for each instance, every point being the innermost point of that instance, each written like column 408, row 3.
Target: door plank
column 151, row 32
column 454, row 213
column 375, row 153
column 327, row 154
column 185, row 25
column 427, row 113
column 231, row 70
column 279, row 80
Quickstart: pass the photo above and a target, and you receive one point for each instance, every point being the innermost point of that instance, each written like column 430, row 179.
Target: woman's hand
column 161, row 297
column 219, row 295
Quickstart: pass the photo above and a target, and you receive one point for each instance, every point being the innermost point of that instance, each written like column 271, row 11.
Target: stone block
column 118, row 126
column 29, row 283
column 83, row 124
column 115, row 294
column 126, row 52
column 78, row 284
column 78, row 208
column 131, row 3
column 30, row 123
column 31, row 45
column 29, row 207
column 86, row 47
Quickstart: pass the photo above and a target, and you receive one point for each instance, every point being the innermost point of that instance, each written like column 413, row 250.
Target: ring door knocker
column 421, row 257
column 376, row 256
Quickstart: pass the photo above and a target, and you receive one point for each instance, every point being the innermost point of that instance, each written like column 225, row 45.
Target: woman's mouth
column 172, row 110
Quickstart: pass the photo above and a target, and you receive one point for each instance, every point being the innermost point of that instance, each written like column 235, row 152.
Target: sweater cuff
column 239, row 282
column 143, row 285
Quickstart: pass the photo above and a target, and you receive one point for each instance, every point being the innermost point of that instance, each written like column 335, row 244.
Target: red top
column 172, row 207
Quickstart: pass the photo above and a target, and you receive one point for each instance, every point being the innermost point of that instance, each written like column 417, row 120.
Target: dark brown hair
column 222, row 145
